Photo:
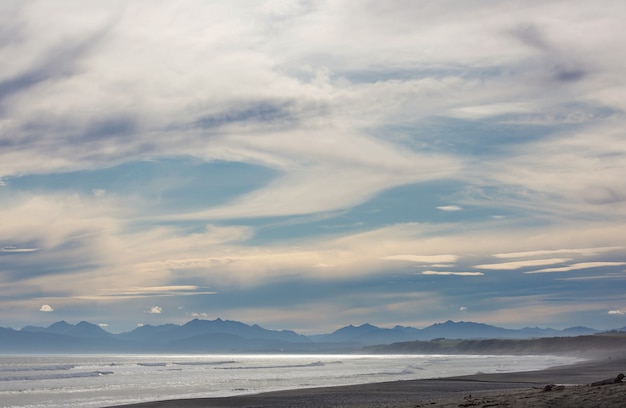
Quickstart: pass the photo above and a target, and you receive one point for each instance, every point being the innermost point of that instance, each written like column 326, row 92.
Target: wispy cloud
column 522, row 264
column 15, row 250
column 580, row 251
column 452, row 273
column 433, row 259
column 145, row 292
column 450, row 208
column 574, row 267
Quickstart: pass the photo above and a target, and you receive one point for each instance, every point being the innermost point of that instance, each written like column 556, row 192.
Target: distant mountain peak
column 86, row 329
column 218, row 334
column 60, row 327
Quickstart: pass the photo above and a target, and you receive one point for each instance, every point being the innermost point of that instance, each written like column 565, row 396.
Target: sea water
column 102, row 380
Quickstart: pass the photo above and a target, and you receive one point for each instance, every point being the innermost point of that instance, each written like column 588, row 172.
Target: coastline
column 468, row 390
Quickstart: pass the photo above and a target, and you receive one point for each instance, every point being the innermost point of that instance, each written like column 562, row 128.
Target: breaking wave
column 61, row 367
column 315, row 364
column 201, row 363
column 58, row 376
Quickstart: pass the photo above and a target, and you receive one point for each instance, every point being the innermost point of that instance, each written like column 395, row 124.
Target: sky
column 307, row 165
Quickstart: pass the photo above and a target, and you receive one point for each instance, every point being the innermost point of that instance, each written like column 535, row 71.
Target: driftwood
column 615, row 380
column 552, row 387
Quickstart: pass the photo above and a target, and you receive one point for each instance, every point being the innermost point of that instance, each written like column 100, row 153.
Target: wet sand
column 525, row 389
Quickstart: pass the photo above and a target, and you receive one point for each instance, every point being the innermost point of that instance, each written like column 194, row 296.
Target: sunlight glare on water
column 54, row 381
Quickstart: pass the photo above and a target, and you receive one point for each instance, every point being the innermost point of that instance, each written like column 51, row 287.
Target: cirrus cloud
column 522, row 264
column 448, row 273
column 574, row 267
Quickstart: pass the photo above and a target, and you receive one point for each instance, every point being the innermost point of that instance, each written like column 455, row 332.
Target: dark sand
column 523, row 389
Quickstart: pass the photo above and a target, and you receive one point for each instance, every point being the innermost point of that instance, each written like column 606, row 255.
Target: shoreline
column 466, row 390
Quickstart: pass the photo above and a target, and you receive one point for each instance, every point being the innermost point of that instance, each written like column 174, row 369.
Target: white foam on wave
column 61, row 367
column 270, row 367
column 58, row 376
column 201, row 363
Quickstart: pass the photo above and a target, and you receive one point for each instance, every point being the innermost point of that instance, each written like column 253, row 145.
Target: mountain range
column 220, row 335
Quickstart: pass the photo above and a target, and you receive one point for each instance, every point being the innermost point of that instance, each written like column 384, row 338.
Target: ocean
column 52, row 381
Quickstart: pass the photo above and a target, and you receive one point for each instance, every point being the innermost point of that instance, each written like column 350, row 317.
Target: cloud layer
column 211, row 155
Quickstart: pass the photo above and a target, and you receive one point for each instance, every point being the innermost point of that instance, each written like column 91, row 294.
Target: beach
column 522, row 389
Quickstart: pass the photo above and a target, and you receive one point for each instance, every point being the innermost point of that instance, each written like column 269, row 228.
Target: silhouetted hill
column 13, row 341
column 82, row 329
column 173, row 334
column 368, row 334
column 464, row 330
column 57, row 328
column 151, row 334
column 60, row 327
column 88, row 330
column 601, row 344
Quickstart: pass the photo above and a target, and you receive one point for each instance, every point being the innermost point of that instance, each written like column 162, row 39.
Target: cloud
column 534, row 174
column 155, row 310
column 46, row 308
column 463, row 309
column 422, row 258
column 344, row 106
column 485, row 111
column 532, row 36
column 609, row 276
column 263, row 113
column 580, row 251
column 322, row 265
column 58, row 62
column 574, row 267
column 99, row 192
column 516, row 310
column 15, row 250
column 336, row 170
column 522, row 264
column 450, row 208
column 563, row 67
column 453, row 273
column 144, row 292
column 617, row 312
